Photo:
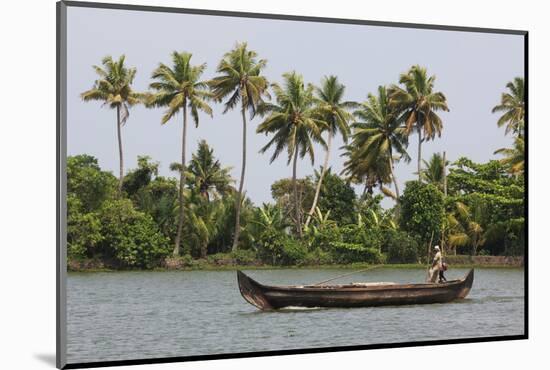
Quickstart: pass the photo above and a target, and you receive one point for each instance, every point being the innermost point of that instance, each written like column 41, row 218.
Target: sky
column 471, row 69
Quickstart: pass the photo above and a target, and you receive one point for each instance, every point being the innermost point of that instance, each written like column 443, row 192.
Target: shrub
column 277, row 248
column 322, row 239
column 131, row 237
column 83, row 231
column 293, row 253
column 368, row 238
column 220, row 259
column 318, row 257
column 400, row 247
column 244, row 257
column 351, row 252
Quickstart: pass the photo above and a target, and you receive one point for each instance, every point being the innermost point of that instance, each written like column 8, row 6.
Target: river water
column 139, row 315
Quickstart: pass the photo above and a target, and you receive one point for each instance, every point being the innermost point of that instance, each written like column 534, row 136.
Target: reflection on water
column 128, row 315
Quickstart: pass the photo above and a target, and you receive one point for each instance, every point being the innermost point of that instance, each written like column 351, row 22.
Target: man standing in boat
column 437, row 265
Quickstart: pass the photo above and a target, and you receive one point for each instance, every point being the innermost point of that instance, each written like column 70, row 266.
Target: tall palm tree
column 514, row 158
column 334, row 112
column 295, row 125
column 418, row 103
column 114, row 88
column 179, row 88
column 433, row 172
column 378, row 136
column 240, row 77
column 513, row 105
column 206, row 173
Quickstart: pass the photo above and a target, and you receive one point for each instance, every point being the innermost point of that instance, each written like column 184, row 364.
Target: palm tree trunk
column 204, row 249
column 120, row 155
column 294, row 185
column 445, row 173
column 364, row 190
column 419, row 153
column 241, row 185
column 396, row 188
column 318, row 190
column 182, row 180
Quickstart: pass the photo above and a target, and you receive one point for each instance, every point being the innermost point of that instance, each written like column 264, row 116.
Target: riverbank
column 227, row 264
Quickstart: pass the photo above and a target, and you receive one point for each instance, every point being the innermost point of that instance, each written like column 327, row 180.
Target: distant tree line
column 140, row 218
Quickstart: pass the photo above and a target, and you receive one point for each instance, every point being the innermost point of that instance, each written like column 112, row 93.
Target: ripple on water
column 118, row 316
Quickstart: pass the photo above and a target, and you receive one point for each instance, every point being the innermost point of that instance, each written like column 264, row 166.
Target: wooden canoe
column 267, row 297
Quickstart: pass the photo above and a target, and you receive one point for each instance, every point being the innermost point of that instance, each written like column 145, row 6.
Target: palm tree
column 514, row 157
column 206, row 173
column 179, row 88
column 378, row 136
column 418, row 103
column 513, row 106
column 295, row 125
column 358, row 171
column 240, row 77
column 114, row 88
column 465, row 226
column 433, row 172
column 204, row 219
column 334, row 112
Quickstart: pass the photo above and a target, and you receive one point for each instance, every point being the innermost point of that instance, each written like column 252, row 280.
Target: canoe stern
column 467, row 284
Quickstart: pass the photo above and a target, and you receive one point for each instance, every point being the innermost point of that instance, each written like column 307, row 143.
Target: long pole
column 429, row 252
column 348, row 274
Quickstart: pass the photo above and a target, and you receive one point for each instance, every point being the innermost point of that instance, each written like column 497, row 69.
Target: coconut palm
column 204, row 218
column 359, row 172
column 513, row 105
column 464, row 226
column 433, row 171
column 295, row 125
column 206, row 174
column 180, row 89
column 418, row 103
column 514, row 157
column 334, row 112
column 114, row 88
column 378, row 136
column 241, row 80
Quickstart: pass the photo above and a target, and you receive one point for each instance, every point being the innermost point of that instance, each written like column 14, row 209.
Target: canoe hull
column 274, row 297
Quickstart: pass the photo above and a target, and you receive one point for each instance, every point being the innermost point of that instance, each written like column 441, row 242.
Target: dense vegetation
column 143, row 220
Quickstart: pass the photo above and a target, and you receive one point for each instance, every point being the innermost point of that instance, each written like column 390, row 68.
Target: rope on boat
column 348, row 274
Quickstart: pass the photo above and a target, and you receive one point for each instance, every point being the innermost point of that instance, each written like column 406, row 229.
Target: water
column 137, row 315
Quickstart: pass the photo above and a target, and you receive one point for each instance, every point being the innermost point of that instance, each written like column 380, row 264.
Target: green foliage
column 132, row 223
column 422, row 211
column 140, row 177
column 322, row 239
column 338, row 197
column 351, row 252
column 432, row 172
column 494, row 203
column 131, row 238
column 87, row 182
column 206, row 174
column 400, row 247
column 159, row 200
column 83, row 230
column 244, row 257
column 280, row 249
column 512, row 104
column 282, row 193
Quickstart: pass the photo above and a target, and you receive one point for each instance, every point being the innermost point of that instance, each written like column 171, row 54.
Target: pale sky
column 472, row 70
